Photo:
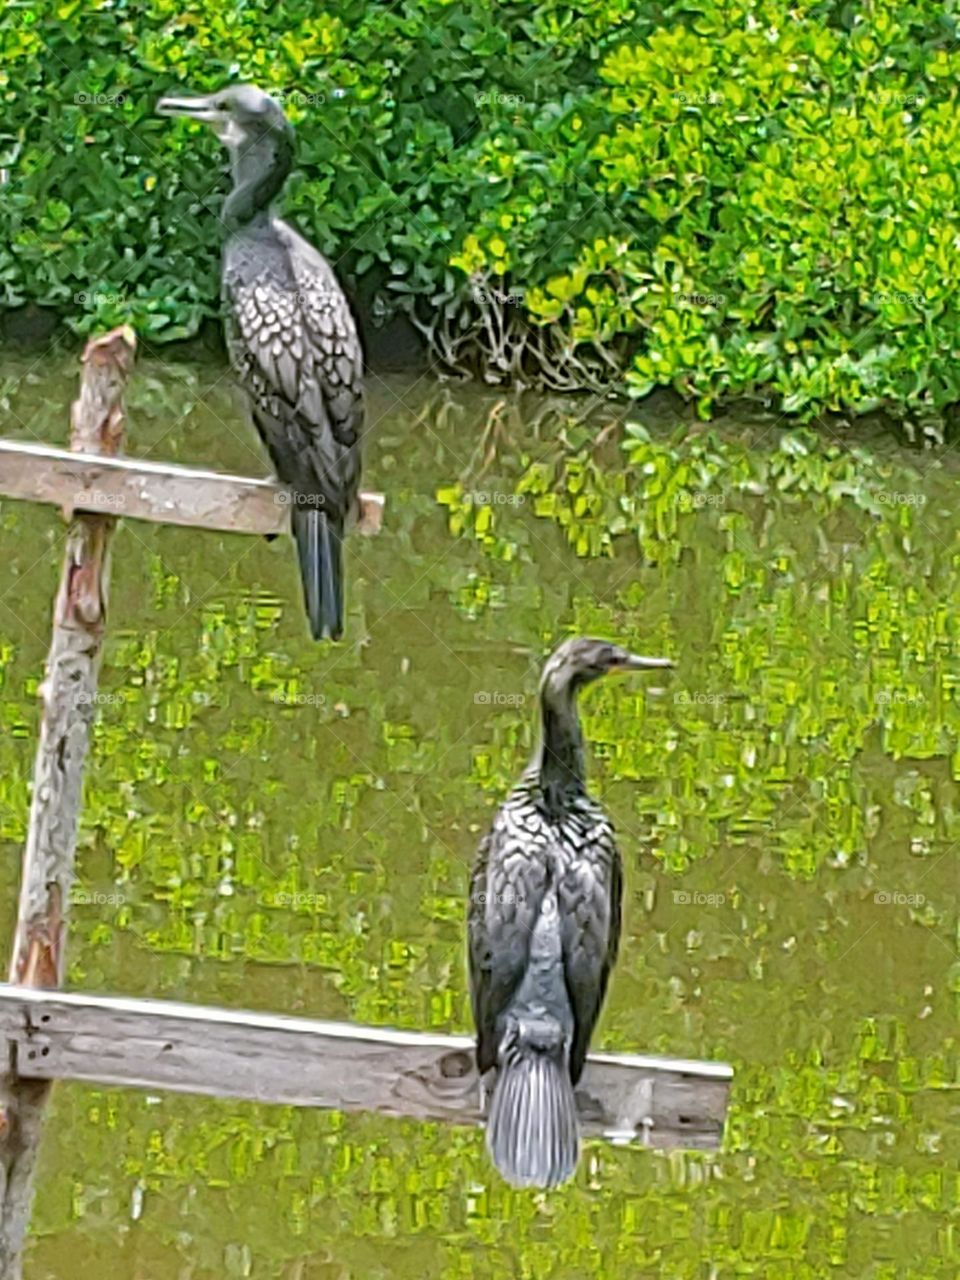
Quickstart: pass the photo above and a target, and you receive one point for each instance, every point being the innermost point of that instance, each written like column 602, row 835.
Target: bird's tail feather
column 320, row 546
column 532, row 1131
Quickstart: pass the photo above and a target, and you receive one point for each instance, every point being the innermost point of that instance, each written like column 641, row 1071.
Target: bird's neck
column 559, row 759
column 259, row 173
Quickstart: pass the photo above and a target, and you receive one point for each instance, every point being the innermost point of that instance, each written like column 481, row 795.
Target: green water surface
column 285, row 826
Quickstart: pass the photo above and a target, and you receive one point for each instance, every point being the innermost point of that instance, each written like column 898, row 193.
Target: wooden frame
column 157, row 491
column 230, row 1053
column 51, row 1035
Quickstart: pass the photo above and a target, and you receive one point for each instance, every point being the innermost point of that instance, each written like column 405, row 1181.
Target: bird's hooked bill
column 199, row 108
column 637, row 662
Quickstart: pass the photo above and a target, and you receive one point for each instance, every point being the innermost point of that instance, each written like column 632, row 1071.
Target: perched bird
column 543, row 930
column 292, row 339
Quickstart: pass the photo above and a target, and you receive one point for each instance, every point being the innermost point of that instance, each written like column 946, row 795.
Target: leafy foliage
column 408, row 121
column 755, row 199
column 786, row 192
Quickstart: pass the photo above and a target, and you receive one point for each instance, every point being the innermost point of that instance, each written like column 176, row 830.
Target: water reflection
column 275, row 824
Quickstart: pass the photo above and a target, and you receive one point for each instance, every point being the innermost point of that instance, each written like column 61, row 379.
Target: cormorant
column 543, row 927
column 292, row 339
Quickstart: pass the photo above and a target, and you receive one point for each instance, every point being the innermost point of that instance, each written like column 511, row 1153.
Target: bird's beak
column 201, row 109
column 636, row 662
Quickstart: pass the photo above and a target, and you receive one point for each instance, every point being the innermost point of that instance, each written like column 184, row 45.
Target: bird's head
column 581, row 659
column 241, row 116
column 259, row 138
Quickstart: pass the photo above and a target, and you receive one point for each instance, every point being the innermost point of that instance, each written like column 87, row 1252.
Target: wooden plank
column 69, row 697
column 156, row 491
column 158, row 1045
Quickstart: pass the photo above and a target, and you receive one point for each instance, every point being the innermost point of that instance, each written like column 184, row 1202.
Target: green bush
column 789, row 208
column 411, row 118
column 756, row 199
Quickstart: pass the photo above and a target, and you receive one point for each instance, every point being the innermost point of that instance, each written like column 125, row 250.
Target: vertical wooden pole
column 69, row 699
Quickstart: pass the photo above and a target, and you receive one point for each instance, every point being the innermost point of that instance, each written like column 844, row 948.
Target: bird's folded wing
column 332, row 343
column 590, row 894
column 506, row 896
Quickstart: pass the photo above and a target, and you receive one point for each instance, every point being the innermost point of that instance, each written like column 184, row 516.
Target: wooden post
column 69, row 697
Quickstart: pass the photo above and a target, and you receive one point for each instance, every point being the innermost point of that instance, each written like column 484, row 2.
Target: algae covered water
column 285, row 826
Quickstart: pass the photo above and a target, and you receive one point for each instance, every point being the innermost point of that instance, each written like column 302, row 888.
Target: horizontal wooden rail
column 156, row 491
column 158, row 1045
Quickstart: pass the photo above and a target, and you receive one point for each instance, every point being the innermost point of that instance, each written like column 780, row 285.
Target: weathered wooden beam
column 156, row 491
column 69, row 696
column 226, row 1053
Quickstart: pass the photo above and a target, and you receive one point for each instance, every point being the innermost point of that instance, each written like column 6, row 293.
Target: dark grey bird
column 543, row 930
column 292, row 339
